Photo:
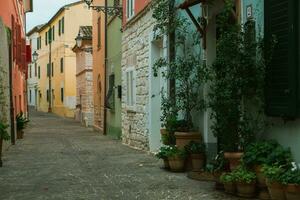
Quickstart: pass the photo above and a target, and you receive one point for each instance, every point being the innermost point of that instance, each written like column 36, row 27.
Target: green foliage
column 267, row 153
column 163, row 152
column 21, row 121
column 218, row 164
column 227, row 178
column 174, row 151
column 3, row 132
column 273, row 173
column 242, row 174
column 291, row 177
column 195, row 147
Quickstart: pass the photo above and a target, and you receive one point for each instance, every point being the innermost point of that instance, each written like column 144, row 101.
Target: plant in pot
column 237, row 86
column 21, row 125
column 3, row 136
column 176, row 158
column 274, row 181
column 291, row 178
column 196, row 151
column 163, row 154
column 245, row 182
column 228, row 181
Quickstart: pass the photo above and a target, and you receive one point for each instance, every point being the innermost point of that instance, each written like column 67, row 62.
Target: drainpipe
column 12, row 109
column 50, row 71
column 105, row 72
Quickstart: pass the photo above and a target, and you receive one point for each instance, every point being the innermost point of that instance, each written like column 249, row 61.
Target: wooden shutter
column 281, row 87
column 63, row 25
column 14, row 38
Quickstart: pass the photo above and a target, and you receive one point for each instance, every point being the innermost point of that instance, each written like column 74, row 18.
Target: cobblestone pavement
column 59, row 159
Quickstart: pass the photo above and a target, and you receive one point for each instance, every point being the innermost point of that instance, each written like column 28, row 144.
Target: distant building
column 57, row 37
column 84, row 76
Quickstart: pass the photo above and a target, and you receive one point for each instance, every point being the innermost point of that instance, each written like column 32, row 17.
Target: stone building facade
column 135, row 82
column 84, row 77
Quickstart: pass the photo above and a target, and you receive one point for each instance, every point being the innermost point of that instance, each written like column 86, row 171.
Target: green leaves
column 242, row 174
column 21, row 121
column 3, row 131
column 195, row 147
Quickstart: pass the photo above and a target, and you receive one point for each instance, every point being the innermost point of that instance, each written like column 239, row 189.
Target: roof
column 86, row 32
column 62, row 9
column 34, row 29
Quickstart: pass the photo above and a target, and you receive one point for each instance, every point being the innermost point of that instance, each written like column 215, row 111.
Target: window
column 59, row 27
column 52, row 69
column 39, row 72
column 39, row 44
column 63, row 25
column 48, row 70
column 53, row 33
column 110, row 97
column 282, row 85
column 47, row 95
column 131, row 88
column 30, row 96
column 130, row 8
column 62, row 94
column 35, row 70
column 30, row 71
column 46, row 38
column 99, row 33
column 62, row 65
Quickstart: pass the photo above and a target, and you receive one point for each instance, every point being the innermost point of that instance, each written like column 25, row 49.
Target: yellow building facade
column 55, row 43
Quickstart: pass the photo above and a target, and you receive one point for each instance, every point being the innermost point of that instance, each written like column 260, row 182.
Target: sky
column 43, row 10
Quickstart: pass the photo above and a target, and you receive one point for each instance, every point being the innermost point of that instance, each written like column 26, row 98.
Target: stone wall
column 135, row 53
column 4, row 79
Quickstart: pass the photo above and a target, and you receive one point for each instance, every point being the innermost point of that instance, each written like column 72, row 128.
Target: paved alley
column 59, row 159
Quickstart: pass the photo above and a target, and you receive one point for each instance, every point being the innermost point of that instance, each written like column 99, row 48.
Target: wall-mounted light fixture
column 110, row 10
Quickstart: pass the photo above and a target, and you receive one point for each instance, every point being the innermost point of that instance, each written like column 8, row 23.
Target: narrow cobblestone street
column 59, row 159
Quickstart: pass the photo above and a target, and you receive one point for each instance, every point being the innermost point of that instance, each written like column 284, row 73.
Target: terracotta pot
column 276, row 190
column 247, row 190
column 264, row 194
column 234, row 159
column 219, row 185
column 166, row 163
column 184, row 138
column 198, row 161
column 261, row 178
column 292, row 192
column 20, row 134
column 230, row 188
column 176, row 164
column 188, row 163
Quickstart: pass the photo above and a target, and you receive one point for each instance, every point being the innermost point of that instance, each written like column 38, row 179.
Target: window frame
column 130, row 100
column 130, row 7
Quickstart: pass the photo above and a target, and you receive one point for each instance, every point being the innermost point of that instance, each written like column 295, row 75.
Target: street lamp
column 78, row 40
column 35, row 56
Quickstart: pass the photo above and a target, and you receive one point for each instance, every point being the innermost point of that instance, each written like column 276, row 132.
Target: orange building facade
column 13, row 16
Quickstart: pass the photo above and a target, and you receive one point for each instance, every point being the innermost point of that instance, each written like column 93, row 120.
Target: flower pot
column 234, row 159
column 184, row 138
column 218, row 184
column 20, row 134
column 198, row 161
column 176, row 164
column 164, row 136
column 292, row 192
column 276, row 190
column 230, row 188
column 247, row 190
column 166, row 163
column 261, row 178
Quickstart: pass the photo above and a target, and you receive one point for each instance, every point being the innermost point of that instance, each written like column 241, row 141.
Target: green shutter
column 59, row 27
column 48, row 70
column 282, row 79
column 63, row 25
column 46, row 38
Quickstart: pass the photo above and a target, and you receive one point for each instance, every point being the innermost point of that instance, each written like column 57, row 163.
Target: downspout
column 12, row 109
column 105, row 71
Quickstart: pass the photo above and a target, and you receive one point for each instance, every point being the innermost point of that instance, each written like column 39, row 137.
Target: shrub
column 195, row 148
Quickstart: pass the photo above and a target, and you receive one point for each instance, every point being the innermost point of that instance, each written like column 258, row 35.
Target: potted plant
column 291, row 178
column 163, row 154
column 228, row 181
column 21, row 124
column 176, row 158
column 274, row 181
column 3, row 136
column 196, row 151
column 245, row 182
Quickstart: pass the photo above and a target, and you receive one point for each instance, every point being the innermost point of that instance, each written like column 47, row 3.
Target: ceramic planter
column 230, row 188
column 176, row 164
column 219, row 185
column 20, row 134
column 198, row 161
column 184, row 138
column 247, row 190
column 292, row 192
column 261, row 178
column 276, row 190
column 234, row 159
